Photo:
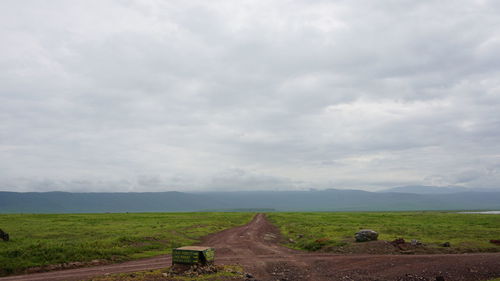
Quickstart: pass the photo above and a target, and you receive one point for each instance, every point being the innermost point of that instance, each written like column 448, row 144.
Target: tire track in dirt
column 256, row 246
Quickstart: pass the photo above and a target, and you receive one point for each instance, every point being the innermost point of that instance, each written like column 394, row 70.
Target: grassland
column 335, row 231
column 40, row 240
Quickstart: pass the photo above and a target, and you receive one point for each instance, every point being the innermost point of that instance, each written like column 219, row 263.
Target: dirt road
column 256, row 247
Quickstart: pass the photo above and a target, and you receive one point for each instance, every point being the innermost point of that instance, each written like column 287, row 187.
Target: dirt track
column 256, row 247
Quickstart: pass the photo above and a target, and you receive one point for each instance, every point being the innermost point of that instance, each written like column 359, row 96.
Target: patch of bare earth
column 256, row 246
column 406, row 248
column 181, row 273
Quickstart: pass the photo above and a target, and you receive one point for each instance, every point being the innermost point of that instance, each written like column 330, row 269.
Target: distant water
column 485, row 212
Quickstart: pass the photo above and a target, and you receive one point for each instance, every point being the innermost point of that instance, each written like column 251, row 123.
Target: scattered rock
column 291, row 240
column 191, row 271
column 283, row 271
column 300, row 236
column 411, row 277
column 366, row 235
column 493, row 241
column 248, row 275
column 446, row 244
column 4, row 235
column 398, row 241
column 415, row 242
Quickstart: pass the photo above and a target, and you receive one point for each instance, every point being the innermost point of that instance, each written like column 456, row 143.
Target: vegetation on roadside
column 335, row 231
column 42, row 240
column 224, row 273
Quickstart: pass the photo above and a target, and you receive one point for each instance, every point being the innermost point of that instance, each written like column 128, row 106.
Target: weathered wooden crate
column 193, row 255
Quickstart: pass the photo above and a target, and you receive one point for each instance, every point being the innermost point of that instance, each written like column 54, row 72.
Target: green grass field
column 465, row 232
column 38, row 240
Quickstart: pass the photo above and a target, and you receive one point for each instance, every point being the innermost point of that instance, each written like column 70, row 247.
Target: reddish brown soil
column 256, row 247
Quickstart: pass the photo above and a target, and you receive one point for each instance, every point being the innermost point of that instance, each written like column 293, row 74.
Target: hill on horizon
column 424, row 189
column 313, row 200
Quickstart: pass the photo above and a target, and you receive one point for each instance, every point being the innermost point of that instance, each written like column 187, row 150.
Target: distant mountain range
column 422, row 189
column 395, row 199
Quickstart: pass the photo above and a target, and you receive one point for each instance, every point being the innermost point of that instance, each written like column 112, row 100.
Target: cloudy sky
column 245, row 95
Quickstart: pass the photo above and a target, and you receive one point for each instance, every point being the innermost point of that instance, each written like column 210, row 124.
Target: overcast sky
column 248, row 95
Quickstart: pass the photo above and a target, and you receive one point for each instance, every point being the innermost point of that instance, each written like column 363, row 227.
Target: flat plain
column 257, row 246
column 42, row 240
column 335, row 231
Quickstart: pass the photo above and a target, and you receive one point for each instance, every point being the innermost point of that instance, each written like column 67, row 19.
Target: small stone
column 4, row 235
column 366, row 235
column 415, row 242
column 248, row 275
column 398, row 241
column 446, row 244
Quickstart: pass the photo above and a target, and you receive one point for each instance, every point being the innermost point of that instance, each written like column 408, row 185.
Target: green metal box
column 193, row 255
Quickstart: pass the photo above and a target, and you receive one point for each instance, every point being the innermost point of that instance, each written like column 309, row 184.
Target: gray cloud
column 155, row 95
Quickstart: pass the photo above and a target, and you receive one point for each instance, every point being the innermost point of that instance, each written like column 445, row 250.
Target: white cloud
column 155, row 95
